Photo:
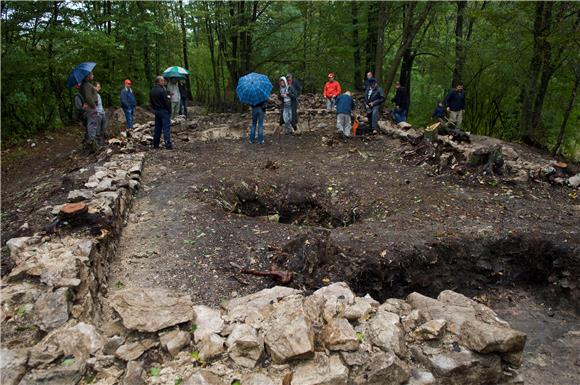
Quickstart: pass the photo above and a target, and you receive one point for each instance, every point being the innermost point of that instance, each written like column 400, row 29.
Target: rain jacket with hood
column 289, row 98
column 331, row 89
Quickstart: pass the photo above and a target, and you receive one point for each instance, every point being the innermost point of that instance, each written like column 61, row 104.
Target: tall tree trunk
column 371, row 41
column 184, row 45
column 211, row 46
column 531, row 90
column 571, row 101
column 459, row 44
column 64, row 112
column 358, row 77
column 407, row 39
column 381, row 23
column 406, row 69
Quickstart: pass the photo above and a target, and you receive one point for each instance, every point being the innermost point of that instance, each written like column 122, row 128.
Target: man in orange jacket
column 331, row 91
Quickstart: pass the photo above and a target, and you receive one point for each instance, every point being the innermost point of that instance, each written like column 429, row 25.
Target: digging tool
column 280, row 276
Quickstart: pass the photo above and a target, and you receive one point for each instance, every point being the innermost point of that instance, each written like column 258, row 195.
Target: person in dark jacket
column 183, row 94
column 89, row 94
column 401, row 100
column 367, row 80
column 128, row 103
column 455, row 102
column 439, row 113
column 295, row 83
column 159, row 101
column 374, row 99
column 344, row 108
column 258, row 113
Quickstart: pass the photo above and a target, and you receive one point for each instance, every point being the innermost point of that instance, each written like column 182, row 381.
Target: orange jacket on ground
column 331, row 89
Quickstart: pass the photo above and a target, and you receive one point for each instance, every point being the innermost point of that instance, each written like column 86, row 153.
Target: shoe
column 260, row 142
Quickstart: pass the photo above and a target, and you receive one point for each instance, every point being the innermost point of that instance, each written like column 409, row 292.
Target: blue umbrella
column 254, row 88
column 79, row 73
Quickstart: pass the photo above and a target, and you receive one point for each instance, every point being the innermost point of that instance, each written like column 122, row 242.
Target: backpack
column 78, row 109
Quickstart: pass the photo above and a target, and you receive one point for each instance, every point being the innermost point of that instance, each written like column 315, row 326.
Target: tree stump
column 74, row 210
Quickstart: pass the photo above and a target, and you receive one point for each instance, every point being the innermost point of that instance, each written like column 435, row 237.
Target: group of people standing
column 374, row 98
column 167, row 100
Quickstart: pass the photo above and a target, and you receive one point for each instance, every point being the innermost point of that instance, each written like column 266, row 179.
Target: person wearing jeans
column 89, row 95
column 374, row 98
column 159, row 100
column 287, row 97
column 258, row 113
column 128, row 103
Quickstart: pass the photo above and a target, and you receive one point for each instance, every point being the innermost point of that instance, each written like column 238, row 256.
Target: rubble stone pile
column 495, row 153
column 54, row 292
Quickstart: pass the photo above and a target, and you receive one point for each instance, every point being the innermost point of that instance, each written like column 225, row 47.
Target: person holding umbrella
column 89, row 94
column 174, row 95
column 81, row 77
column 254, row 89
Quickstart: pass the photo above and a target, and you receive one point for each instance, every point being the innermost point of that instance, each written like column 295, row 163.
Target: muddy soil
column 355, row 211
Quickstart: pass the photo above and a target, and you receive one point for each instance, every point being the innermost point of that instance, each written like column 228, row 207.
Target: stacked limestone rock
column 279, row 336
column 516, row 167
column 57, row 281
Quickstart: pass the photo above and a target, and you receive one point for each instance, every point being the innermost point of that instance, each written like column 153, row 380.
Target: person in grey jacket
column 287, row 96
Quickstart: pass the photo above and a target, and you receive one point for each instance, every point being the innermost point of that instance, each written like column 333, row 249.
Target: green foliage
column 43, row 41
column 154, row 372
column 178, row 381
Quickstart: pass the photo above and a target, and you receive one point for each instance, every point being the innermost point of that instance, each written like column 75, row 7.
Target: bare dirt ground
column 332, row 210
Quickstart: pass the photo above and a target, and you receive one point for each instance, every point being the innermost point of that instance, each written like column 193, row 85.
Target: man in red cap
column 128, row 103
column 331, row 91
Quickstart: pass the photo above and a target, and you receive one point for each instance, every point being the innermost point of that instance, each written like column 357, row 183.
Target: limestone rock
column 207, row 320
column 81, row 341
column 204, row 377
column 485, row 338
column 397, row 306
column 69, row 374
column 574, row 181
column 150, row 310
column 80, row 195
column 322, row 370
column 337, row 297
column 256, row 306
column 134, row 374
column 290, row 334
column 360, row 309
column 19, row 245
column 133, row 350
column 386, row 333
column 52, row 308
column 210, row 346
column 383, row 368
column 429, row 330
column 421, row 378
column 454, row 308
column 245, row 347
column 462, row 367
column 104, row 185
column 113, row 343
column 174, row 341
column 12, row 365
column 338, row 334
column 256, row 379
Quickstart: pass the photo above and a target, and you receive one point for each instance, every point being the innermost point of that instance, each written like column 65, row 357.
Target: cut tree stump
column 74, row 210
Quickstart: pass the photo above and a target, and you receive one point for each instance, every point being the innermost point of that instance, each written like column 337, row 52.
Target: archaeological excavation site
column 399, row 258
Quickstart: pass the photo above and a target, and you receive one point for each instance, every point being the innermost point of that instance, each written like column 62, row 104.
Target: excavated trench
column 466, row 264
column 299, row 206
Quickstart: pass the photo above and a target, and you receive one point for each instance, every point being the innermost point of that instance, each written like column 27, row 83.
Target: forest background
column 519, row 61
